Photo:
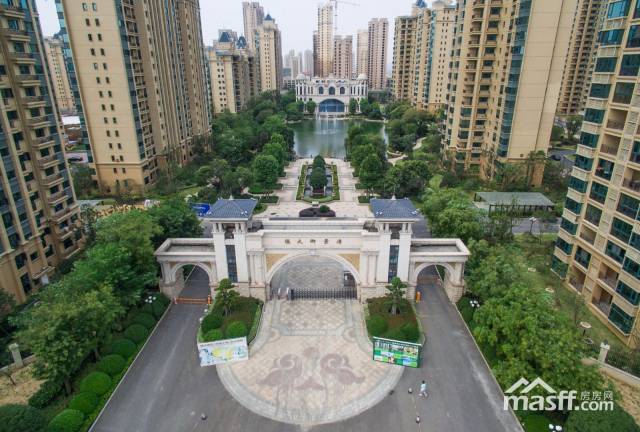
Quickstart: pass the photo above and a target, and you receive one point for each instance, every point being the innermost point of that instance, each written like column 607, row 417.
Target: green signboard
column 396, row 352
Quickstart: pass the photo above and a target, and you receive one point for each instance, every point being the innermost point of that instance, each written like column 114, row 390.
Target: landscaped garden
column 230, row 316
column 318, row 182
column 393, row 316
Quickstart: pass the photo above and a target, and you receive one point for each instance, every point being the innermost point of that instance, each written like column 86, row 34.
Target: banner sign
column 223, row 351
column 396, row 352
column 201, row 209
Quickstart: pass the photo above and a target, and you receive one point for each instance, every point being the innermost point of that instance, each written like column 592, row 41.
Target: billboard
column 201, row 209
column 223, row 351
column 396, row 352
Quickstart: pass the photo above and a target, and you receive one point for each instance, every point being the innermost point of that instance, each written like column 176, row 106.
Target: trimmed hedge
column 21, row 418
column 376, row 325
column 158, row 308
column 46, row 393
column 211, row 321
column 145, row 319
column 96, row 382
column 85, row 402
column 394, row 333
column 411, row 332
column 69, row 420
column 123, row 347
column 136, row 332
column 236, row 329
column 144, row 309
column 112, row 364
column 617, row 420
column 213, row 335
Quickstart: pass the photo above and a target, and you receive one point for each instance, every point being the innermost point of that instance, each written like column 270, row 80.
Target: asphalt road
column 166, row 390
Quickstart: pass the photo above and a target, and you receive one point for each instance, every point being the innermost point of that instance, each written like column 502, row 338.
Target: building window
column 582, row 257
column 633, row 41
column 604, row 169
column 593, row 214
column 620, row 319
column 629, row 65
column 610, row 37
column 593, row 115
column 618, row 9
column 614, row 251
column 623, row 93
column 606, row 64
column 564, row 246
column 600, row 91
column 621, row 230
column 628, row 206
column 589, row 140
column 598, row 192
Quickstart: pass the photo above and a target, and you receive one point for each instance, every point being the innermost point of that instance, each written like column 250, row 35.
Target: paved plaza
column 311, row 364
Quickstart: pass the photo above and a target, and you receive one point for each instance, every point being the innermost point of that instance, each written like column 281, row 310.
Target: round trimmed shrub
column 145, row 319
column 601, row 421
column 163, row 299
column 211, row 321
column 123, row 347
column 536, row 423
column 213, row 335
column 69, row 420
column 112, row 364
column 237, row 329
column 21, row 418
column 146, row 308
column 158, row 308
column 46, row 393
column 376, row 325
column 84, row 402
column 136, row 332
column 96, row 382
column 411, row 332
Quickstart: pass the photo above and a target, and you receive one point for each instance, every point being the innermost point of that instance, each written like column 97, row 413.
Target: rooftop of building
column 231, row 209
column 488, row 200
column 393, row 208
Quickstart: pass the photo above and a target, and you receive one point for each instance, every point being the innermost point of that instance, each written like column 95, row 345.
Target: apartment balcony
column 52, row 179
column 588, row 235
column 16, row 34
column 12, row 11
column 9, row 103
column 47, row 161
column 33, row 101
column 36, row 122
column 608, row 277
column 57, row 197
column 23, row 57
column 615, row 125
column 631, row 180
column 42, row 142
column 60, row 215
column 603, row 306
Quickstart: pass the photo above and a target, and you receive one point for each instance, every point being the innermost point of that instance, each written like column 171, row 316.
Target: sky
column 295, row 18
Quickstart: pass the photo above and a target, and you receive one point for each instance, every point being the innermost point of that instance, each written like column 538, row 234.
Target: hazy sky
column 295, row 18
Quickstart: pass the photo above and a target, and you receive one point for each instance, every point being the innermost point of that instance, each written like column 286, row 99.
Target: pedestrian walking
column 423, row 389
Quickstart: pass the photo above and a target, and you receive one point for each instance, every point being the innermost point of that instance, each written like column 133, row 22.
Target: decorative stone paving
column 311, row 363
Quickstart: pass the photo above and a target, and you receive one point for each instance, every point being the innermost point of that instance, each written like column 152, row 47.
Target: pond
column 326, row 137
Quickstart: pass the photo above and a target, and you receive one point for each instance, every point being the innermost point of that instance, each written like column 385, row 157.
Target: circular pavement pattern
column 311, row 363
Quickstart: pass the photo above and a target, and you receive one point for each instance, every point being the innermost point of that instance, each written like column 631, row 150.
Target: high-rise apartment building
column 580, row 57
column 53, row 48
column 378, row 37
column 316, row 61
column 324, row 40
column 343, row 56
column 229, row 67
column 253, row 15
column 506, row 69
column 140, row 73
column 308, row 63
column 293, row 61
column 268, row 45
column 598, row 247
column 431, row 92
column 39, row 225
column 404, row 51
column 362, row 52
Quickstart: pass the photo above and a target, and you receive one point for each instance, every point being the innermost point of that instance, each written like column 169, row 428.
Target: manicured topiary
column 146, row 309
column 69, row 420
column 145, row 319
column 21, row 418
column 136, row 332
column 96, row 382
column 536, row 423
column 395, row 334
column 162, row 299
column 158, row 307
column 123, row 347
column 601, row 421
column 85, row 402
column 112, row 364
column 46, row 393
column 376, row 325
column 411, row 332
column 213, row 335
column 236, row 329
column 211, row 321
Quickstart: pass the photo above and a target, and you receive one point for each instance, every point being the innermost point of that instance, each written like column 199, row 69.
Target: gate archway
column 331, row 106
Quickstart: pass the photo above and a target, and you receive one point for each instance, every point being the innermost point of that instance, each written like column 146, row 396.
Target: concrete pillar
column 241, row 256
column 17, row 357
column 221, row 253
column 382, row 267
column 454, row 290
column 604, row 350
column 403, row 255
column 364, row 268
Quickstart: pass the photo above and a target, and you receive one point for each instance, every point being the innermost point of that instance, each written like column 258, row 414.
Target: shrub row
column 378, row 326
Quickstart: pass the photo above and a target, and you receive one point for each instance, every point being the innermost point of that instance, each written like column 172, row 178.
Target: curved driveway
column 166, row 390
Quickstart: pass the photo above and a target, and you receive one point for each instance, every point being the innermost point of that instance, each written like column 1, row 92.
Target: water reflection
column 326, row 136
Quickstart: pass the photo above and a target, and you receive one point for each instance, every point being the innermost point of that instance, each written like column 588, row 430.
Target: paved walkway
column 287, row 205
column 310, row 364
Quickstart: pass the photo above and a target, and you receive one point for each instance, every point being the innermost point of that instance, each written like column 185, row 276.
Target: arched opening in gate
column 431, row 277
column 190, row 280
column 308, row 277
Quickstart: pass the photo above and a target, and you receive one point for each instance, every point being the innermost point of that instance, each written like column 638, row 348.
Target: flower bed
column 302, row 182
column 247, row 311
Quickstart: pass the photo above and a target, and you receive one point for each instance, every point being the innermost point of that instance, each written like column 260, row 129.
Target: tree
column 266, row 170
column 134, row 231
column 318, row 162
column 353, row 106
column 277, row 150
column 311, row 107
column 365, row 107
column 65, row 327
column 370, row 172
column 226, row 296
column 396, row 292
column 375, row 112
column 556, row 133
column 203, row 175
column 573, row 125
column 407, row 178
column 83, row 181
column 293, row 113
column 318, row 178
column 175, row 219
column 601, row 421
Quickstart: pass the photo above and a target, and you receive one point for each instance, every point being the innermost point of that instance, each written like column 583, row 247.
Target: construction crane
column 335, row 12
